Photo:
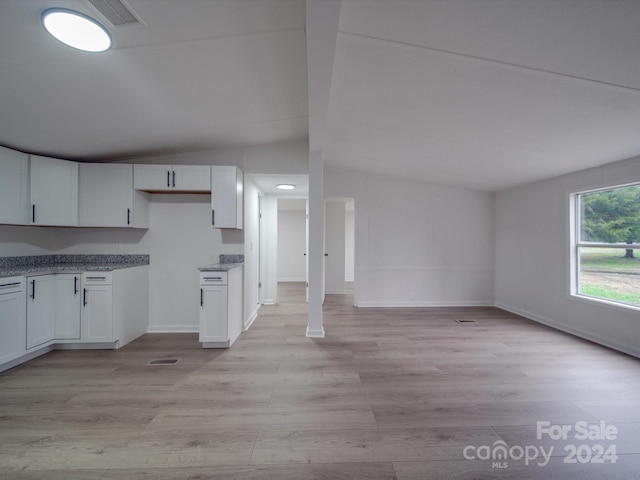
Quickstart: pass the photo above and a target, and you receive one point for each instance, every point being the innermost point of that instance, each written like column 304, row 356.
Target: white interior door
column 260, row 295
column 306, row 257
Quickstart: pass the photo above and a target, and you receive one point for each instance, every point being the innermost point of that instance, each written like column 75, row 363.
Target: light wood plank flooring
column 389, row 394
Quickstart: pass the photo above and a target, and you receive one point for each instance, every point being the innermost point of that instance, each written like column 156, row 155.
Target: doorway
column 292, row 251
column 340, row 247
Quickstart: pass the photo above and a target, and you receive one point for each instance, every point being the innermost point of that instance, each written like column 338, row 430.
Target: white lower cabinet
column 220, row 308
column 40, row 310
column 67, row 306
column 12, row 319
column 213, row 314
column 103, row 310
column 96, row 318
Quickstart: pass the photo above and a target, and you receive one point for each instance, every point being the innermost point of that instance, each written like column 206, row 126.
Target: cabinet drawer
column 96, row 278
column 213, row 278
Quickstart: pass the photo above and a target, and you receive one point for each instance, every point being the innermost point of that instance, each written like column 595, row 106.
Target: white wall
column 292, row 245
column 532, row 258
column 251, row 246
column 17, row 241
column 349, row 254
column 417, row 243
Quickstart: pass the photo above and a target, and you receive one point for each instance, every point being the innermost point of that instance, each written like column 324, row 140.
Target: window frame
column 576, row 244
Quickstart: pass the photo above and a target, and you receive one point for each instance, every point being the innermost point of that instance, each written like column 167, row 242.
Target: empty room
column 319, row 239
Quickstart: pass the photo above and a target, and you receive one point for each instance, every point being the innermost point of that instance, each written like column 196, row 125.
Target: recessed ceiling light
column 76, row 30
column 285, row 186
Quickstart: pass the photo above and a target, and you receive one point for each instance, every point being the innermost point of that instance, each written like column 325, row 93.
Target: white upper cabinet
column 107, row 198
column 53, row 191
column 14, row 187
column 226, row 197
column 172, row 178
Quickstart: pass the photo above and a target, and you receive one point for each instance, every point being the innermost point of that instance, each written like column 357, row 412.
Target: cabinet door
column 106, row 195
column 12, row 326
column 213, row 314
column 97, row 314
column 54, row 191
column 191, row 178
column 40, row 310
column 153, row 178
column 226, row 197
column 14, row 187
column 67, row 306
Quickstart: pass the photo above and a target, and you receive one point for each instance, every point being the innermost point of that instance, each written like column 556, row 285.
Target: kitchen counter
column 226, row 263
column 44, row 264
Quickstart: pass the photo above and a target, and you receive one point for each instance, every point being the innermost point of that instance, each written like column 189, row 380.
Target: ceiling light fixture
column 76, row 30
column 285, row 186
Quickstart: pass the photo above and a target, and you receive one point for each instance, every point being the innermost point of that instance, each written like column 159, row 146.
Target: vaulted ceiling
column 483, row 94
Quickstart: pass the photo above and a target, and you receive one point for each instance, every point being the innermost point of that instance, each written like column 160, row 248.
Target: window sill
column 604, row 303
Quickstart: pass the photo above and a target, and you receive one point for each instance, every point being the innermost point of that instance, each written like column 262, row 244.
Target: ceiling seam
column 491, row 60
column 205, row 39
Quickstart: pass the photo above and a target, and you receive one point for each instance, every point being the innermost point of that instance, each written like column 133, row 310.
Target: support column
column 316, row 245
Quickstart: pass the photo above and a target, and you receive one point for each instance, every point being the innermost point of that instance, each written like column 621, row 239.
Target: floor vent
column 464, row 322
column 162, row 362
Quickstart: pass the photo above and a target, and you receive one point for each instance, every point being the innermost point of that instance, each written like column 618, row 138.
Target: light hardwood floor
column 389, row 393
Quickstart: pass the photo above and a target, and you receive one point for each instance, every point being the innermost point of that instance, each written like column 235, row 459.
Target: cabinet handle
column 75, row 285
column 33, row 289
column 33, row 213
column 96, row 278
column 212, row 278
column 174, row 179
column 84, row 297
column 213, row 217
column 201, row 297
column 168, row 179
column 13, row 284
column 128, row 216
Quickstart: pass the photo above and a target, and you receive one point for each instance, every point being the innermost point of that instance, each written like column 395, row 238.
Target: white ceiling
column 268, row 184
column 196, row 75
column 483, row 94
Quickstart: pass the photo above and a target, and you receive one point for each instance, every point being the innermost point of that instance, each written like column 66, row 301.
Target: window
column 607, row 245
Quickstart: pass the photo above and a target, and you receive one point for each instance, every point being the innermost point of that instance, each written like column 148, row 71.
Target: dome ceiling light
column 285, row 186
column 76, row 30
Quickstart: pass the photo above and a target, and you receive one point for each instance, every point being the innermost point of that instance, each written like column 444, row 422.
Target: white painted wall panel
column 251, row 246
column 532, row 258
column 418, row 243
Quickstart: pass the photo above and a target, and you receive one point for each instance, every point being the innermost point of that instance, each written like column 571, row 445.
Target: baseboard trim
column 315, row 333
column 570, row 330
column 335, row 292
column 248, row 323
column 173, row 329
column 424, row 304
column 26, row 357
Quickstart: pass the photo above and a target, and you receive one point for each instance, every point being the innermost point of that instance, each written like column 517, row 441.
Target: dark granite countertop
column 44, row 264
column 219, row 267
column 226, row 263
